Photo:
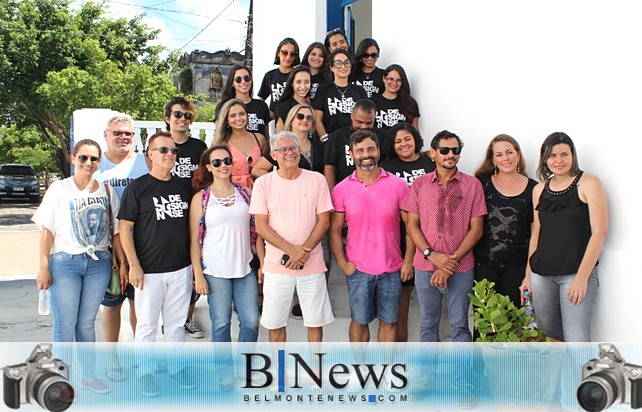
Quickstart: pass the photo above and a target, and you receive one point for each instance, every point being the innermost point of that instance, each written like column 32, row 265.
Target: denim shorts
column 374, row 296
column 114, row 300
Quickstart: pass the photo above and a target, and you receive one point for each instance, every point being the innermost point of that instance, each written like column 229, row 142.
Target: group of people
column 254, row 219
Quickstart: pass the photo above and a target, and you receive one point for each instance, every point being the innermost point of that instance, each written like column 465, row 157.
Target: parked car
column 18, row 181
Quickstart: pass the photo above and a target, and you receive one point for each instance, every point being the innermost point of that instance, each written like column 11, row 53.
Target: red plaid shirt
column 445, row 214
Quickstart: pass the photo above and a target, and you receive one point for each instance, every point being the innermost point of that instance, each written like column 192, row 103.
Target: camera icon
column 41, row 379
column 609, row 379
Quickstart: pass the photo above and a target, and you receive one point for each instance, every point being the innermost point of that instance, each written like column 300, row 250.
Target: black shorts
column 114, row 300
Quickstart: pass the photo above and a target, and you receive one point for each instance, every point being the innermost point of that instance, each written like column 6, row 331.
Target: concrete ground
column 20, row 322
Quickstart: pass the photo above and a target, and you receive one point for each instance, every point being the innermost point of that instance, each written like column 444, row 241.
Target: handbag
column 114, row 282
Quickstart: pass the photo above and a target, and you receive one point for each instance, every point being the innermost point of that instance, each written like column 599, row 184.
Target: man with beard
column 372, row 261
column 338, row 164
column 446, row 211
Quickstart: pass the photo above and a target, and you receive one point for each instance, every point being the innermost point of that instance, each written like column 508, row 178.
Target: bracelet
column 324, row 137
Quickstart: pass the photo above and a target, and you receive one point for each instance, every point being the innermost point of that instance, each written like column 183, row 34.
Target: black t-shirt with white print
column 371, row 82
column 389, row 112
column 189, row 156
column 409, row 171
column 272, row 86
column 337, row 106
column 160, row 212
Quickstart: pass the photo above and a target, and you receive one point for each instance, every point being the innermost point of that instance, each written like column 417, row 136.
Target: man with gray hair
column 119, row 166
column 292, row 209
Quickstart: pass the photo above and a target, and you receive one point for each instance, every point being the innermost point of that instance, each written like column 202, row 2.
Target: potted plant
column 522, row 369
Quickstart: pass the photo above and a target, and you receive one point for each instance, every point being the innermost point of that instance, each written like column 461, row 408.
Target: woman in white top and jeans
column 75, row 263
column 221, row 255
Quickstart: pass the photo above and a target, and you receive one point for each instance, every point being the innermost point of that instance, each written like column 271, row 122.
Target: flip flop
column 116, row 374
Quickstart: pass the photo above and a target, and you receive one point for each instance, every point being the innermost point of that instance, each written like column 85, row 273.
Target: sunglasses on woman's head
column 165, row 149
column 218, row 162
column 307, row 117
column 178, row 115
column 92, row 159
column 239, row 79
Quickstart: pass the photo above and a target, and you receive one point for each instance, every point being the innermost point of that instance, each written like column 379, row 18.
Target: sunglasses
column 187, row 115
column 218, row 162
column 286, row 53
column 285, row 150
column 239, row 79
column 118, row 133
column 339, row 63
column 165, row 149
column 370, row 55
column 445, row 150
column 334, row 31
column 302, row 116
column 92, row 159
column 393, row 80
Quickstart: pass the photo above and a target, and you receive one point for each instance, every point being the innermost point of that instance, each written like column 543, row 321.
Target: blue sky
column 223, row 22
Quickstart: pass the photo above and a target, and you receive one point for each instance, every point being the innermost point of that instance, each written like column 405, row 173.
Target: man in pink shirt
column 369, row 201
column 292, row 213
column 446, row 211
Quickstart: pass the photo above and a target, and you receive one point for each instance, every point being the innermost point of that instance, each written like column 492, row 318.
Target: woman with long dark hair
column 569, row 228
column 274, row 81
column 221, row 247
column 316, row 57
column 297, row 91
column 366, row 74
column 240, row 85
column 396, row 104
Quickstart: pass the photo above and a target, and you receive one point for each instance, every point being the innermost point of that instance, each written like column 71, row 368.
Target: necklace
column 343, row 93
column 561, row 192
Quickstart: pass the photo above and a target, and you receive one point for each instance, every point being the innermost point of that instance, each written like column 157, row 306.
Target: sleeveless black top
column 565, row 230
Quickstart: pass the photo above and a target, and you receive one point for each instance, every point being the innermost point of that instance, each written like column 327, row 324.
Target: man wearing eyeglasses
column 292, row 213
column 155, row 237
column 119, row 166
column 446, row 211
column 179, row 114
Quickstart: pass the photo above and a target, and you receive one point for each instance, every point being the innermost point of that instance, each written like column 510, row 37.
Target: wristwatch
column 427, row 251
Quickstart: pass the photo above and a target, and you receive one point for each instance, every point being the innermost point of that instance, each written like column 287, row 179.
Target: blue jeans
column 555, row 313
column 374, row 296
column 78, row 285
column 459, row 286
column 243, row 294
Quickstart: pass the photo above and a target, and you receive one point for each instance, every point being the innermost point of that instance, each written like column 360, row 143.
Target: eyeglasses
column 118, row 133
column 239, row 79
column 445, row 150
column 218, row 162
column 286, row 53
column 285, row 150
column 165, row 149
column 302, row 116
column 339, row 63
column 92, row 159
column 178, row 115
column 393, row 80
column 334, row 31
column 370, row 55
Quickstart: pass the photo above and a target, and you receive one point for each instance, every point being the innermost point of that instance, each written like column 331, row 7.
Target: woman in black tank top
column 569, row 228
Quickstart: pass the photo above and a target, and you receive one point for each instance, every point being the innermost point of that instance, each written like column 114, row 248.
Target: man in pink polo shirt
column 291, row 207
column 446, row 211
column 369, row 201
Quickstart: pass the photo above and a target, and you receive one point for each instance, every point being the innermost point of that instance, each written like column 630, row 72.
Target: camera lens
column 53, row 392
column 597, row 392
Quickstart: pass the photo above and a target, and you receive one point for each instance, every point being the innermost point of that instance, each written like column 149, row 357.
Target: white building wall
column 526, row 69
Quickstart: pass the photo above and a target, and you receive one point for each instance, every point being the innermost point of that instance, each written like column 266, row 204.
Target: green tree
column 54, row 60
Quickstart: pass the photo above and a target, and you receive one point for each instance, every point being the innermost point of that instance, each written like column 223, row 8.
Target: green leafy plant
column 497, row 319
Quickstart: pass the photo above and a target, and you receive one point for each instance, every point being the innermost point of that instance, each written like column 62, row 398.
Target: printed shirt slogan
column 184, row 168
column 171, row 207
